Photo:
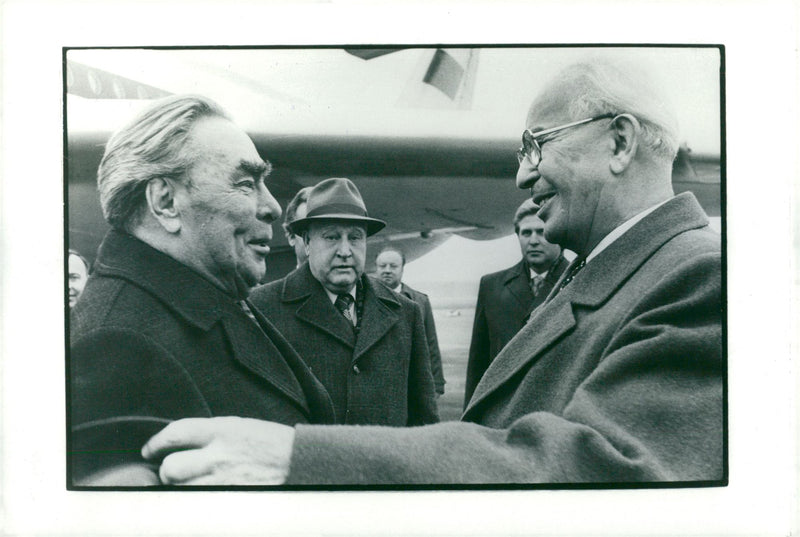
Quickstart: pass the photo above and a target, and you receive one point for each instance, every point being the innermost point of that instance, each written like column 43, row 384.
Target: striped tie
column 343, row 303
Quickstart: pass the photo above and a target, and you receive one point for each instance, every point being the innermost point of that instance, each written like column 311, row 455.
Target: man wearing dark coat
column 362, row 341
column 619, row 375
column 389, row 266
column 163, row 330
column 507, row 298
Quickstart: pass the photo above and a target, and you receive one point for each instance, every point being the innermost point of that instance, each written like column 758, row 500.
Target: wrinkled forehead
column 551, row 107
column 219, row 140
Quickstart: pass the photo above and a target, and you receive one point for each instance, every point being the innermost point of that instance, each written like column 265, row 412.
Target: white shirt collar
column 540, row 274
column 399, row 288
column 618, row 231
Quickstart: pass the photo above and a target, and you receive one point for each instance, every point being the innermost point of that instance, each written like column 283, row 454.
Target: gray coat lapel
column 551, row 322
column 516, row 281
column 314, row 306
column 593, row 286
column 379, row 313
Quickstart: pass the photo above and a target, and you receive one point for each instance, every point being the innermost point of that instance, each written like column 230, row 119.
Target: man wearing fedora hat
column 364, row 343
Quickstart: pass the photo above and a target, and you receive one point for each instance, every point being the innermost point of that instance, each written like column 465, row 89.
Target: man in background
column 295, row 210
column 507, row 298
column 389, row 268
column 363, row 342
column 78, row 272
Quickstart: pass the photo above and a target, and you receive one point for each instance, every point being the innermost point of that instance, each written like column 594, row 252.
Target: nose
column 527, row 174
column 268, row 209
column 343, row 248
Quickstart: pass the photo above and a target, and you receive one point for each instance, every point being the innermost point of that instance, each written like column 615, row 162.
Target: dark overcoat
column 383, row 376
column 505, row 301
column 617, row 378
column 152, row 341
column 424, row 302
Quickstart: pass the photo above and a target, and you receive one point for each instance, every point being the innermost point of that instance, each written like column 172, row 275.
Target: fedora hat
column 336, row 199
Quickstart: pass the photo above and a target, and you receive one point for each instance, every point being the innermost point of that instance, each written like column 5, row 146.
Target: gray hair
column 153, row 145
column 600, row 86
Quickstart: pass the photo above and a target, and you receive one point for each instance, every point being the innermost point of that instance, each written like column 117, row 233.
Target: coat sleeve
column 421, row 394
column 478, row 361
column 650, row 411
column 433, row 346
column 124, row 388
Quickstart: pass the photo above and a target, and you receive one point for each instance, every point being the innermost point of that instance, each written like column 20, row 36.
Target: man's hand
column 222, row 451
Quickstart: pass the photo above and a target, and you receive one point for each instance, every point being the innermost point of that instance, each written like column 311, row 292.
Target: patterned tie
column 246, row 309
column 343, row 303
column 574, row 269
column 536, row 284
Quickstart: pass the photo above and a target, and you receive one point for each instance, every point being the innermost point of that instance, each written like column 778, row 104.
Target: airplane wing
column 419, row 130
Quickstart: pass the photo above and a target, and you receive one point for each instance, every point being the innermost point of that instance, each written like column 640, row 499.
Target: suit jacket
column 505, row 301
column 617, row 378
column 152, row 341
column 383, row 376
column 430, row 333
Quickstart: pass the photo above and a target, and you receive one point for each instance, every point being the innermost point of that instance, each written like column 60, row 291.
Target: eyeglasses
column 532, row 148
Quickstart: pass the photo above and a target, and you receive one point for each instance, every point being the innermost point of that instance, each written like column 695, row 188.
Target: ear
column 626, row 130
column 160, row 195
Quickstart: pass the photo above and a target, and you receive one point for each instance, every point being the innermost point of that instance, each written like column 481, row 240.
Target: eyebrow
column 255, row 168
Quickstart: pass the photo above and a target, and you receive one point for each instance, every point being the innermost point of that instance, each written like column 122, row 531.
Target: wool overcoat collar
column 598, row 281
column 201, row 304
column 379, row 315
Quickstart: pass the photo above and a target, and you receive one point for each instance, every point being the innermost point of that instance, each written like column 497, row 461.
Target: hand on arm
column 222, row 451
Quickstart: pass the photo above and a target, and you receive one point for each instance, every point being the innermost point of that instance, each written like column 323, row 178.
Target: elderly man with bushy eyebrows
column 164, row 329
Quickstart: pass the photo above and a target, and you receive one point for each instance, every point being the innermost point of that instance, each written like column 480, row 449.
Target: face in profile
column 227, row 211
column 538, row 253
column 336, row 254
column 390, row 268
column 76, row 280
column 296, row 241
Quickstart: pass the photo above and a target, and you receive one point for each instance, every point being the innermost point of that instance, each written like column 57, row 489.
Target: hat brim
column 373, row 225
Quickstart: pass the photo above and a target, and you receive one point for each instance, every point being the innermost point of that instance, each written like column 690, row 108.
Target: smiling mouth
column 542, row 198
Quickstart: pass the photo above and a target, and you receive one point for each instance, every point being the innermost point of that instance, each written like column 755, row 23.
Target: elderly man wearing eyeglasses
column 618, row 376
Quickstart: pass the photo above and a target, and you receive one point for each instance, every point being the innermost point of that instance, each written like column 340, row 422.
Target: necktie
column 574, row 269
column 343, row 303
column 246, row 309
column 536, row 284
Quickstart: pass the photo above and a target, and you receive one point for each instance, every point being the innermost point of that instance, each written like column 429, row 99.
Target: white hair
column 600, row 86
column 153, row 145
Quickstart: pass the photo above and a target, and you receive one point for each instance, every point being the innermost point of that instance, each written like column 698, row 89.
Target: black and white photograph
column 347, row 267
column 331, row 268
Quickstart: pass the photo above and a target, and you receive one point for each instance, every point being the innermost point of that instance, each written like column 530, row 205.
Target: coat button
column 356, row 370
